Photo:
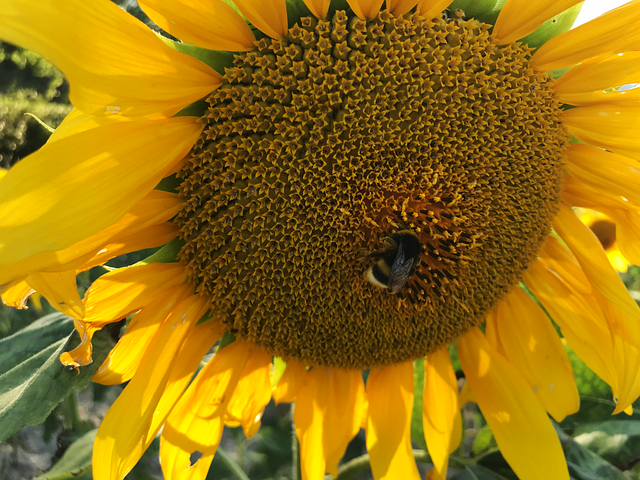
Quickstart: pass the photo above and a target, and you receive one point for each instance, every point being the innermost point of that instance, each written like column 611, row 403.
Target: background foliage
column 597, row 445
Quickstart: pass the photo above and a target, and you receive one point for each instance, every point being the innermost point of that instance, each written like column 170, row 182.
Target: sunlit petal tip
column 268, row 16
column 519, row 18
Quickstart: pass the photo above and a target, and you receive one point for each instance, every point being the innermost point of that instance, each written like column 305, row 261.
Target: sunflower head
column 323, row 143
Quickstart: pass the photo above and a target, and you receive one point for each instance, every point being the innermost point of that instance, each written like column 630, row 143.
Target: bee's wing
column 400, row 270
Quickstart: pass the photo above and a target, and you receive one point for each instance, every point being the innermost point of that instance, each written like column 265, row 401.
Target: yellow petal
column 292, row 379
column 212, row 24
column 627, row 233
column 309, row 414
column 588, row 251
column 390, row 389
column 617, row 260
column 592, row 196
column 615, row 31
column 120, row 292
column 150, row 237
column 624, row 329
column 60, row 290
column 343, row 415
column 616, row 97
column 88, row 41
column 365, row 9
column 327, row 416
column 440, row 410
column 153, row 209
column 599, row 73
column 609, row 126
column 319, row 8
column 196, row 422
column 625, row 332
column 601, row 169
column 125, row 357
column 526, row 438
column 400, row 7
column 16, row 294
column 519, row 18
column 581, row 322
column 108, row 167
column 431, row 8
column 533, row 347
column 268, row 16
column 252, row 393
column 124, row 433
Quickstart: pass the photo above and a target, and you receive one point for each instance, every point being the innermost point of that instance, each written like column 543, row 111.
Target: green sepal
column 556, row 74
column 417, row 431
column 486, row 11
column 32, row 379
column 169, row 184
column 196, row 109
column 167, row 254
column 207, row 317
column 219, row 61
column 227, row 339
column 76, row 460
column 553, row 27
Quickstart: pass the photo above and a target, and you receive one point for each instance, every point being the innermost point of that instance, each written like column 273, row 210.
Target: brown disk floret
column 320, row 145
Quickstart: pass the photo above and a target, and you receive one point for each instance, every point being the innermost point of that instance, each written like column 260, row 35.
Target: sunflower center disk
column 321, row 145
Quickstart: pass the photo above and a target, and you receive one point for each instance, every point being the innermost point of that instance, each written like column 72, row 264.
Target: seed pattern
column 320, row 145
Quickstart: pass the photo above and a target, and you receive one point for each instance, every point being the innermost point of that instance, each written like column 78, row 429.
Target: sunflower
column 274, row 155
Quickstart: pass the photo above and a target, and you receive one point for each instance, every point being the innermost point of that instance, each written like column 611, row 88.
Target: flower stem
column 233, row 467
column 71, row 413
column 294, row 449
column 358, row 464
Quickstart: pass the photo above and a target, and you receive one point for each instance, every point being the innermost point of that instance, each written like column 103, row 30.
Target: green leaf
column 617, row 441
column 227, row 339
column 32, row 379
column 76, row 460
column 417, row 432
column 219, row 61
column 278, row 369
column 553, row 27
column 486, row 11
column 584, row 464
column 478, row 472
column 196, row 109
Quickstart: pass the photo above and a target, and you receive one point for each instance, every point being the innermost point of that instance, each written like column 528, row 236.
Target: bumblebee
column 396, row 261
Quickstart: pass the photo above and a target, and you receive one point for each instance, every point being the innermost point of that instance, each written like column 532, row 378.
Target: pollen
column 319, row 146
